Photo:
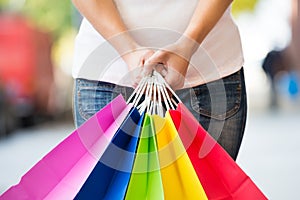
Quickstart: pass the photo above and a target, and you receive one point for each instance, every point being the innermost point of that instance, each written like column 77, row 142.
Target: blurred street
column 23, row 148
column 270, row 153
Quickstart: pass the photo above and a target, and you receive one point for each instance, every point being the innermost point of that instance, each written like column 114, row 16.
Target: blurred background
column 36, row 49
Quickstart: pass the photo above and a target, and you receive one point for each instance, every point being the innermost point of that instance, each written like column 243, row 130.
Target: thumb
column 149, row 64
column 157, row 62
column 147, row 69
column 157, row 58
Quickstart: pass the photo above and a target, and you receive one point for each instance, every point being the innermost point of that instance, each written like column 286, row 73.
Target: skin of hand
column 135, row 61
column 172, row 63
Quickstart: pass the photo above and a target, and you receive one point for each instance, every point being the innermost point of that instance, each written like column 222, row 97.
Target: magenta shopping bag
column 62, row 172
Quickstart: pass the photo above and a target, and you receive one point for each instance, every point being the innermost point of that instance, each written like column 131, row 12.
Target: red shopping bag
column 218, row 173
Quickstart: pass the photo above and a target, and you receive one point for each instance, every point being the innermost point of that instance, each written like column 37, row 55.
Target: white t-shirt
column 156, row 23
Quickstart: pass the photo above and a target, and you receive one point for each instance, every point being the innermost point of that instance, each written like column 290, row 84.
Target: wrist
column 124, row 43
column 187, row 45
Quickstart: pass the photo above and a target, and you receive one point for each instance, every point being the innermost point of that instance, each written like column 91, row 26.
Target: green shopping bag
column 145, row 181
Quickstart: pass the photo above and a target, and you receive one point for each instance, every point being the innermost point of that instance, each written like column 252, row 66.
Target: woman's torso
column 155, row 23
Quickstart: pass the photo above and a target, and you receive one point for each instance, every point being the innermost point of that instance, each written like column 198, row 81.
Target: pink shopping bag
column 63, row 170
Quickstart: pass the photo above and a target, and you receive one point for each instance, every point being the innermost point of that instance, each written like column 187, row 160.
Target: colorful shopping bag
column 179, row 178
column 220, row 176
column 110, row 177
column 104, row 159
column 75, row 178
column 60, row 174
column 145, row 181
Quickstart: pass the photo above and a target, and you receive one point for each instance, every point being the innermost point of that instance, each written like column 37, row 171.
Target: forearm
column 105, row 18
column 205, row 17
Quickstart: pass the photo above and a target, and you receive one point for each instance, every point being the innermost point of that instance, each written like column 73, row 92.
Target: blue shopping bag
column 110, row 177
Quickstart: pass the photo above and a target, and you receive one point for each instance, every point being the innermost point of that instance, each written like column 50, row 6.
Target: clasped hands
column 171, row 62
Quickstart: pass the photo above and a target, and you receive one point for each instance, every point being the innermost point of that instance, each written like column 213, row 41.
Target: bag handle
column 155, row 90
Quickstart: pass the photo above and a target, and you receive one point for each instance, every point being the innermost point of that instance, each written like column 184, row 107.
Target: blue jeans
column 220, row 106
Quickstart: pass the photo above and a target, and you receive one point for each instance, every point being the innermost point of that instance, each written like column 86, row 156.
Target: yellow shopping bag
column 179, row 178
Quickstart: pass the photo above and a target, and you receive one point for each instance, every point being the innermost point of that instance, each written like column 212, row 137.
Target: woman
column 195, row 45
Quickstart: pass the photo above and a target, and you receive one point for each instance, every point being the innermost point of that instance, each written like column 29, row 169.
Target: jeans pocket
column 92, row 97
column 220, row 99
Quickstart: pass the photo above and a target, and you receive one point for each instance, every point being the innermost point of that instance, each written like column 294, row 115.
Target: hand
column 135, row 61
column 172, row 62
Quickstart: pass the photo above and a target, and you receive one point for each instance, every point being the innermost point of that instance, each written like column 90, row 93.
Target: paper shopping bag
column 145, row 181
column 179, row 178
column 218, row 173
column 109, row 179
column 64, row 169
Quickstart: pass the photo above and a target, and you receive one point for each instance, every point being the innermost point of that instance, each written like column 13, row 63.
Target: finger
column 175, row 80
column 156, row 62
column 147, row 69
column 148, row 54
column 162, row 69
column 157, row 57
